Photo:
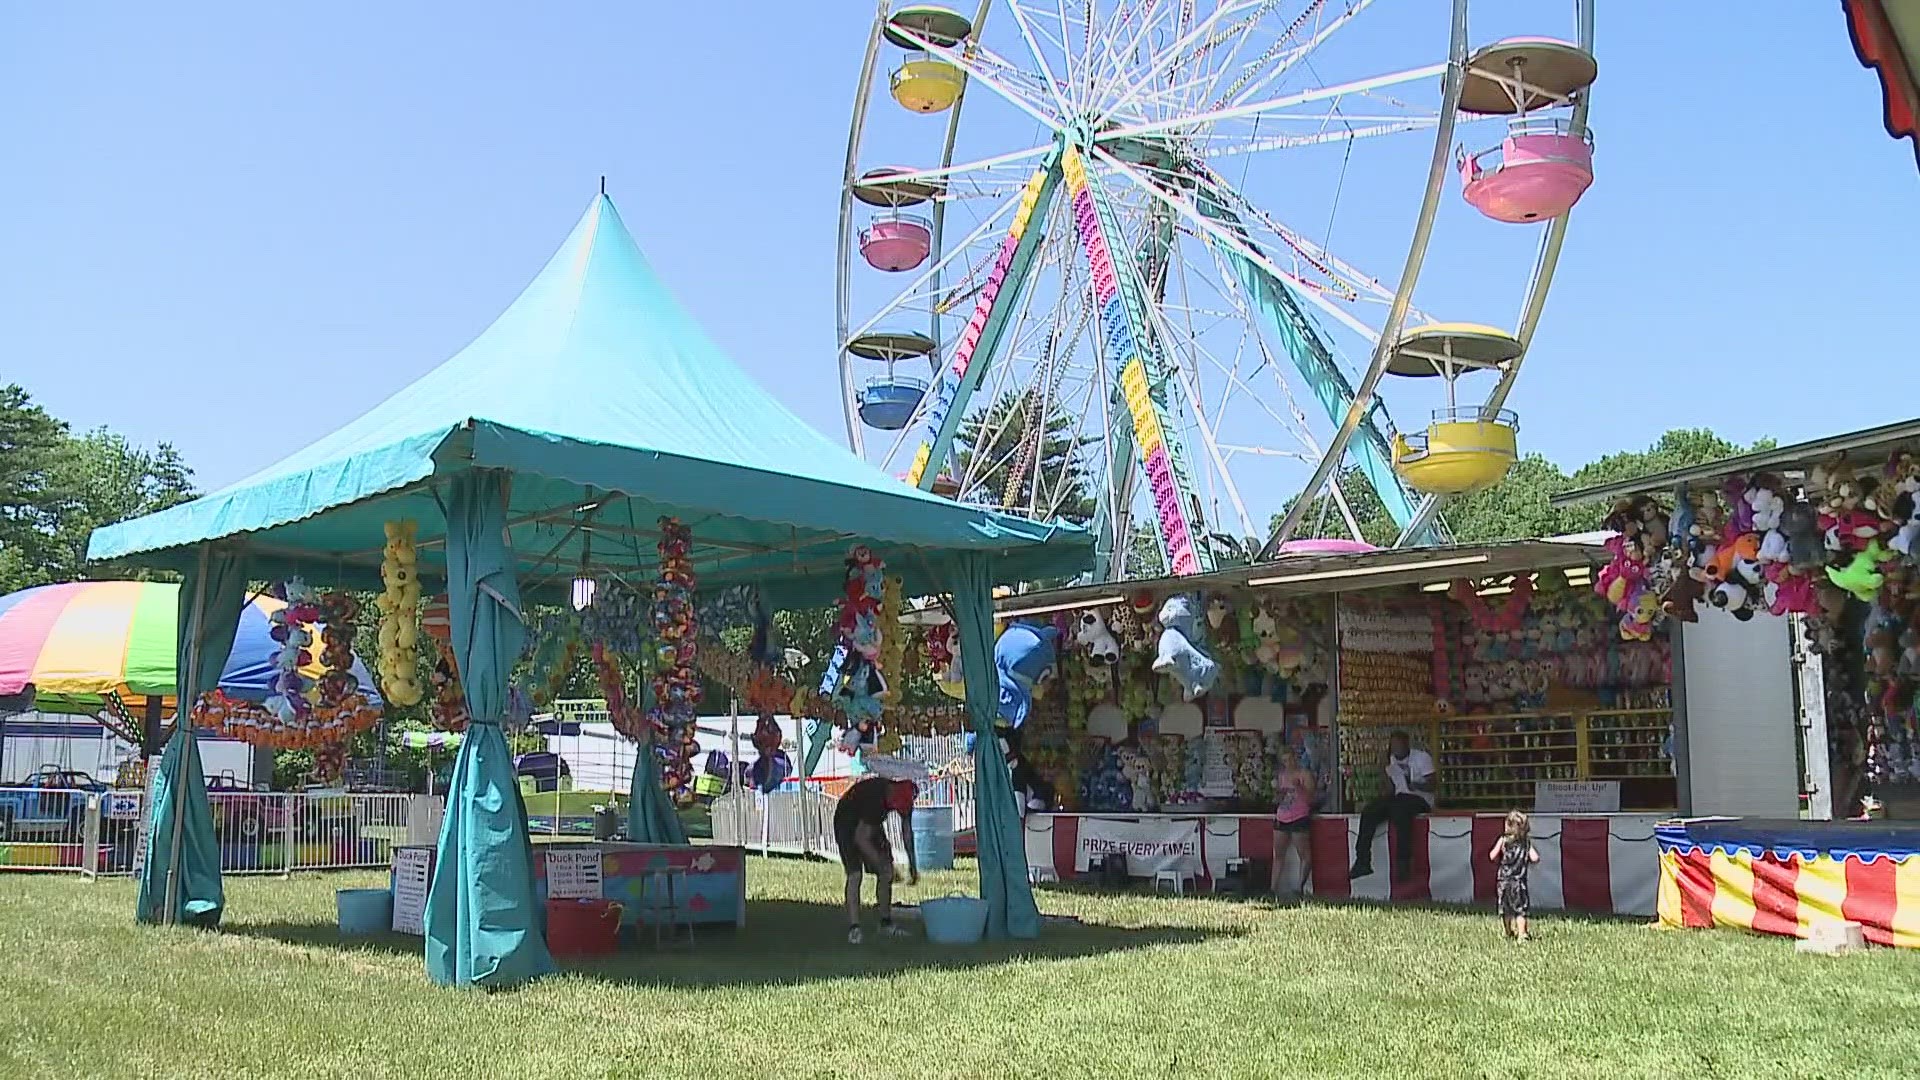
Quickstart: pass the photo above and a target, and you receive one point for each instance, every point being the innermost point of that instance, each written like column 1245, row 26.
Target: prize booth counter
column 699, row 885
column 1497, row 660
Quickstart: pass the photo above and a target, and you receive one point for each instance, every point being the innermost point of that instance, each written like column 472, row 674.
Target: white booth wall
column 1736, row 690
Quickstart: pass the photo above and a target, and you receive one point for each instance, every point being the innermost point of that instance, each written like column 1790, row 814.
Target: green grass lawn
column 1142, row 987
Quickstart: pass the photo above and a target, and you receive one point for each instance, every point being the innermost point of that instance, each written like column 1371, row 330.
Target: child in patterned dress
column 1514, row 854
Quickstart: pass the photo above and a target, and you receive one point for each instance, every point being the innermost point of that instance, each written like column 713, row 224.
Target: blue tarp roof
column 595, row 380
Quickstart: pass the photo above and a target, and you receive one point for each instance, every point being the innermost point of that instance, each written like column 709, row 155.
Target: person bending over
column 859, row 829
column 1410, row 774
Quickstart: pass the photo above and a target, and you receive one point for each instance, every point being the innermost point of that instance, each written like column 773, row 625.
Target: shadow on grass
column 784, row 942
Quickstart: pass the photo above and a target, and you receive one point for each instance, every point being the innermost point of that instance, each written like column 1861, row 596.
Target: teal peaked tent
column 592, row 407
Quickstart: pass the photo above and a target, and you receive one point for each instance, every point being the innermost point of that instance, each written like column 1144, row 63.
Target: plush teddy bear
column 1102, row 649
column 1178, row 656
column 1806, row 547
column 1685, row 591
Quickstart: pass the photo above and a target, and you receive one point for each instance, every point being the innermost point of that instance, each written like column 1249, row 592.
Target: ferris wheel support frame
column 1456, row 71
column 992, row 309
column 1543, row 268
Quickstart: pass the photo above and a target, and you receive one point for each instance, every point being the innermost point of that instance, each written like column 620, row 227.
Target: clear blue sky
column 235, row 226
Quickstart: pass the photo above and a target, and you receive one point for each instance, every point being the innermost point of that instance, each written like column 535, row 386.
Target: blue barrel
column 933, row 837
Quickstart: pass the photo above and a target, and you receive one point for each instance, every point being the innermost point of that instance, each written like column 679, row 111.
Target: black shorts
column 851, row 857
column 1304, row 825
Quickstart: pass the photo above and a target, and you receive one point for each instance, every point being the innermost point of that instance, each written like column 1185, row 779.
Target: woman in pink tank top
column 1293, row 790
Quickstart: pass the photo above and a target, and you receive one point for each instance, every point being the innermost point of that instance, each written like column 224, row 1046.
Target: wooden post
column 150, row 729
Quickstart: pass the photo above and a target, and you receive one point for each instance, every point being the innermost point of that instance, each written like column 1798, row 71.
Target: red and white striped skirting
column 1604, row 863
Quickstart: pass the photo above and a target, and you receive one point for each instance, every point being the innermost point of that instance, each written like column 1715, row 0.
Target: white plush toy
column 1100, row 644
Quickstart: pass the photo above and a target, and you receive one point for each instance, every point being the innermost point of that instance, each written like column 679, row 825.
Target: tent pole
column 180, row 712
column 150, row 730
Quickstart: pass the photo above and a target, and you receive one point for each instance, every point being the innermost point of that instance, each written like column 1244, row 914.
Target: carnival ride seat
column 888, row 402
column 926, row 83
column 1536, row 174
column 895, row 241
column 1462, row 450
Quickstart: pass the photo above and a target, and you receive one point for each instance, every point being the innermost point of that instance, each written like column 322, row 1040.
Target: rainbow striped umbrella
column 77, row 643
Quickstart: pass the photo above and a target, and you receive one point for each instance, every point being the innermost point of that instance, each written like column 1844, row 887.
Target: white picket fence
column 799, row 821
column 257, row 832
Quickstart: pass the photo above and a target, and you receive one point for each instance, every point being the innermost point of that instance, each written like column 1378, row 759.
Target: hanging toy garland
column 676, row 685
column 399, row 570
column 625, row 715
column 329, row 762
column 287, row 689
column 299, row 714
column 893, row 643
column 449, row 696
column 853, row 675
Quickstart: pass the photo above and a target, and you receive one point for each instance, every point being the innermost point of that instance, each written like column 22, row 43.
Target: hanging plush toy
column 1021, row 658
column 1092, row 635
column 1178, row 656
column 1861, row 576
column 399, row 606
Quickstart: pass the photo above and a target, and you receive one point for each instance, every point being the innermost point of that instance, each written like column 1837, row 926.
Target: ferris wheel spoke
column 1258, row 76
column 1225, row 237
column 1040, row 57
column 1256, row 144
column 1317, row 256
column 1172, row 54
column 1256, row 108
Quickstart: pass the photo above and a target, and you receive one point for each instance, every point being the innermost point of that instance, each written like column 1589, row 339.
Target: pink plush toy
column 1787, row 591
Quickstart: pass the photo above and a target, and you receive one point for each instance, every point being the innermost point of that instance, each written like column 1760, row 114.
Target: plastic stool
column 1172, row 881
column 662, row 888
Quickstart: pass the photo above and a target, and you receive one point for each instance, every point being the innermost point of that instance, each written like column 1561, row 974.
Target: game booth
column 1499, row 660
column 1788, row 578
column 591, row 479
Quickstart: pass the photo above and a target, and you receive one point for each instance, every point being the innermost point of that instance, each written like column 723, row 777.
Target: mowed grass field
column 1140, row 986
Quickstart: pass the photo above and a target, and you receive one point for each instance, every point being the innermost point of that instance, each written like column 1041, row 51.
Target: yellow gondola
column 1462, row 449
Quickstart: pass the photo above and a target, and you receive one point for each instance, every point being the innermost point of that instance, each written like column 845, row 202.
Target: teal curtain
column 650, row 815
column 1011, row 911
column 483, row 920
column 180, row 880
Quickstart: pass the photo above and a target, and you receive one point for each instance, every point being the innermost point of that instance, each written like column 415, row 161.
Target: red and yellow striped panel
column 1773, row 894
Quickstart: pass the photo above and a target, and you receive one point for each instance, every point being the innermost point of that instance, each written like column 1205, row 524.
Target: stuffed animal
column 1178, row 656
column 1860, row 577
column 1685, row 533
column 1101, row 648
column 1806, row 548
column 1906, row 511
column 1789, row 591
column 1679, row 601
column 1764, row 503
column 1219, row 610
column 1021, row 658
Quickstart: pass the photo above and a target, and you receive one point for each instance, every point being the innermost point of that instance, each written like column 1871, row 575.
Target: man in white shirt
column 1409, row 772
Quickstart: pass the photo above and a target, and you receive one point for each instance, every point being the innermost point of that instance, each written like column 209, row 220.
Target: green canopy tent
column 591, row 408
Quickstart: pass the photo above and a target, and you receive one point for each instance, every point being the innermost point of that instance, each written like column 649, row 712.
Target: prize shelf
column 1494, row 761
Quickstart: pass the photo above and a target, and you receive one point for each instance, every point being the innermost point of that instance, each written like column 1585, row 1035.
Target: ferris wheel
column 1090, row 263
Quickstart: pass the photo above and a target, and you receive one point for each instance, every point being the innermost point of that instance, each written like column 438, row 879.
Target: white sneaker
column 854, row 936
